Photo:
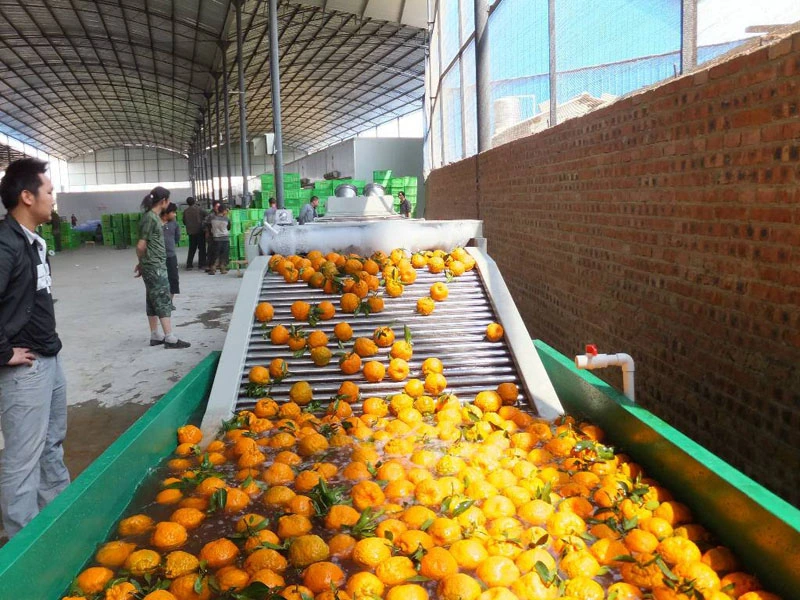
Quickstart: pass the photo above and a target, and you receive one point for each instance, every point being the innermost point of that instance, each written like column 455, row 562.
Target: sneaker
column 210, row 272
column 177, row 344
column 156, row 342
column 223, row 271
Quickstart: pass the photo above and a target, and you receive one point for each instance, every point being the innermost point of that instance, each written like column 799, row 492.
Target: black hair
column 190, row 201
column 171, row 208
column 401, row 192
column 156, row 195
column 314, row 198
column 221, row 208
column 21, row 175
column 273, row 201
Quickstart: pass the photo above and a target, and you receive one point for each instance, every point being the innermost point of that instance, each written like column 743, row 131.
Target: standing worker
column 33, row 389
column 55, row 224
column 152, row 268
column 405, row 205
column 220, row 227
column 271, row 212
column 172, row 235
column 193, row 218
column 309, row 212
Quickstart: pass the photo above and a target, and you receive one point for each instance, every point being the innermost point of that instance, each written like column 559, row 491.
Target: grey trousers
column 33, row 415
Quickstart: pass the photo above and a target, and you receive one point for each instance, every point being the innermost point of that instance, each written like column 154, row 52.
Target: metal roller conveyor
column 454, row 333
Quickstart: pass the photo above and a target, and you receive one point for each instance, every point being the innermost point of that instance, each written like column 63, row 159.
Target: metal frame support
column 219, row 150
column 209, row 136
column 190, row 160
column 227, row 110
column 551, row 18
column 688, row 35
column 242, row 101
column 275, row 84
column 483, row 78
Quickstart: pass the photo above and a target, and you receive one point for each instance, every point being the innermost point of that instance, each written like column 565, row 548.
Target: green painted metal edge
column 763, row 529
column 42, row 559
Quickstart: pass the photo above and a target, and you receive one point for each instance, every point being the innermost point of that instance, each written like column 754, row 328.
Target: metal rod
column 227, row 110
column 483, row 78
column 275, row 81
column 242, row 102
column 688, row 35
column 551, row 18
column 191, row 171
column 219, row 150
column 210, row 148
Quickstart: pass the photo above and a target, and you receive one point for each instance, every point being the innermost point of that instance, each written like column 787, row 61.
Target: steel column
column 275, row 84
column 191, row 171
column 551, row 18
column 688, row 35
column 483, row 77
column 227, row 110
column 210, row 148
column 219, row 150
column 242, row 102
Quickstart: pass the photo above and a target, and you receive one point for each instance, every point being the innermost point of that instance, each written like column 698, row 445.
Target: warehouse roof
column 79, row 75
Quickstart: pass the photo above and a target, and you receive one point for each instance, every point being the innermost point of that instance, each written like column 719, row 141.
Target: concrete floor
column 113, row 373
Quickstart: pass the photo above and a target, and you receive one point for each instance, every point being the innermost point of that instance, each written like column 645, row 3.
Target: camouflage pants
column 156, row 286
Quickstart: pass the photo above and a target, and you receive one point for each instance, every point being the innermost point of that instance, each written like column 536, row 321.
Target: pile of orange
column 414, row 496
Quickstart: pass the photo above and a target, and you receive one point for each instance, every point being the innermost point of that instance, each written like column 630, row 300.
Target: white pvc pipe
column 599, row 361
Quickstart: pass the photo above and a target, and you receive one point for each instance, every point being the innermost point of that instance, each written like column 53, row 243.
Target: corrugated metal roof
column 78, row 75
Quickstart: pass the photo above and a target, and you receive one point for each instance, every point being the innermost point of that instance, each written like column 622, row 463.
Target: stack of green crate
column 382, row 177
column 323, row 189
column 132, row 225
column 258, row 199
column 108, row 235
column 291, row 181
column 46, row 232
column 118, row 226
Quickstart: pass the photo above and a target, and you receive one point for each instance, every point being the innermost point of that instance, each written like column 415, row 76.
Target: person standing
column 55, row 225
column 152, row 268
column 271, row 212
column 172, row 235
column 309, row 212
column 193, row 218
column 33, row 389
column 220, row 226
column 405, row 205
column 74, row 220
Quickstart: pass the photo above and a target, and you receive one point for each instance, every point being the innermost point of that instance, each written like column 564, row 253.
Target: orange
column 395, row 570
column 311, row 444
column 676, row 550
column 265, row 558
column 189, row 434
column 376, row 304
column 401, row 349
column 307, row 549
column 268, row 577
column 705, row 579
column 364, row 585
column 444, row 531
column 721, row 559
column 494, row 332
column 425, row 306
column 488, row 401
column 372, row 551
column 376, row 406
column 140, row 562
column 254, row 542
column 459, row 586
column 231, row 578
column 307, row 480
column 341, row 546
column 432, row 365
column 165, row 595
column 584, row 588
column 236, row 500
column 300, row 310
column 114, row 554
column 439, row 291
column 94, row 579
column 348, row 391
column 180, row 563
column 398, row 369
column 367, row 494
column 624, row 591
column 219, row 553
column 508, row 393
column 498, row 571
column 435, row 264
column 301, row 393
column 168, row 536
column 293, row 526
column 374, row 371
column 343, row 331
column 135, row 525
column 415, row 516
column 317, row 339
column 279, row 335
column 437, row 563
column 321, row 356
column 350, row 363
column 407, row 591
column 264, row 312
column 638, row 540
column 349, row 302
column 435, row 383
column 365, row 347
column 266, row 407
column 322, row 576
column 383, row 337
column 468, row 553
column 119, row 591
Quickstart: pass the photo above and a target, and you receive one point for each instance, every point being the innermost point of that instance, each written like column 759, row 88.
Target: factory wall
column 91, row 205
column 666, row 225
column 402, row 155
column 339, row 157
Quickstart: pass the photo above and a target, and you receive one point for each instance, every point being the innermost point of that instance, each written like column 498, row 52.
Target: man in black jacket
column 33, row 390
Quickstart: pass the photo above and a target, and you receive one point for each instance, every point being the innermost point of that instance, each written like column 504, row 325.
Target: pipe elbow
column 626, row 362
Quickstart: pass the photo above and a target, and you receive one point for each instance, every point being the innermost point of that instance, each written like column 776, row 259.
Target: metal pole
column 275, row 80
column 551, row 17
column 191, row 171
column 219, row 150
column 210, row 148
column 227, row 110
column 483, row 77
column 688, row 35
column 242, row 107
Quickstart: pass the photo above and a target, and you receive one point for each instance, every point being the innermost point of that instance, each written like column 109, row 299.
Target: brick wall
column 666, row 225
